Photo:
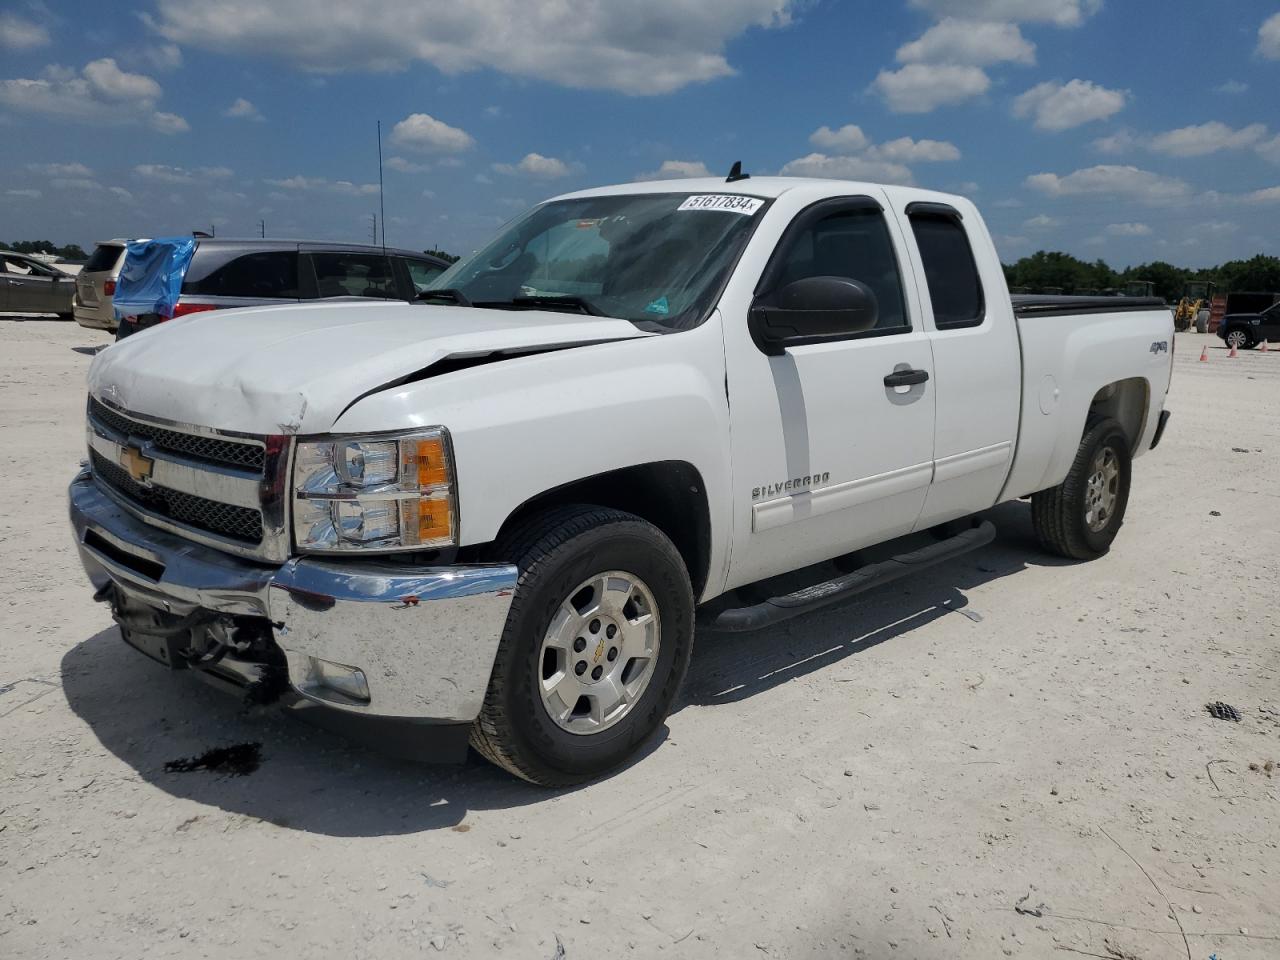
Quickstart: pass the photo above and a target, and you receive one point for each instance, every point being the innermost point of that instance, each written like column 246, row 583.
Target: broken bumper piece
column 372, row 640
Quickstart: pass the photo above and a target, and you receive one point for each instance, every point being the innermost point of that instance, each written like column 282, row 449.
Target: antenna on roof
column 736, row 174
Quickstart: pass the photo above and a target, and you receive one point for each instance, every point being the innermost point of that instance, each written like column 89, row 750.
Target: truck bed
column 1033, row 305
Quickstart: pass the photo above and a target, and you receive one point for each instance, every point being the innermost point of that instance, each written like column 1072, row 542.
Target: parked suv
column 29, row 285
column 96, row 284
column 252, row 273
column 1247, row 330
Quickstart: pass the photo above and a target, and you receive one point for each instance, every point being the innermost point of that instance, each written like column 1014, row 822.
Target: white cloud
column 1122, row 141
column 922, row 87
column 60, row 169
column 23, row 194
column 1057, row 106
column 1270, row 149
column 1115, row 181
column 1231, row 87
column 18, row 33
column 848, row 139
column 1207, row 138
column 162, row 173
column 978, row 44
column 108, row 79
column 1269, row 37
column 1042, row 222
column 402, row 165
column 75, row 183
column 243, row 109
column 100, row 93
column 421, row 131
column 1062, row 13
column 848, row 168
column 1269, row 195
column 120, row 193
column 321, row 185
column 1008, row 203
column 675, row 170
column 906, row 150
column 536, row 165
column 1127, row 230
column 654, row 47
column 169, row 123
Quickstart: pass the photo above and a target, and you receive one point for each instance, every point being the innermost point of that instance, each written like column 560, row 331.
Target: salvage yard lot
column 888, row 779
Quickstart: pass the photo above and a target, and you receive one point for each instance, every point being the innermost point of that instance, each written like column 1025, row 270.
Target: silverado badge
column 138, row 466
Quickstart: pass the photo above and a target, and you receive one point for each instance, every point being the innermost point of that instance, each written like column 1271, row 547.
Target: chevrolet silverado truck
column 496, row 514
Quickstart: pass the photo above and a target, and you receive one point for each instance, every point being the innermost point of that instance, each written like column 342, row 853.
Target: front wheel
column 595, row 648
column 1238, row 339
column 1080, row 517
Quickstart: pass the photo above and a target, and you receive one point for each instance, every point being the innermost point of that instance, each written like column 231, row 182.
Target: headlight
column 375, row 494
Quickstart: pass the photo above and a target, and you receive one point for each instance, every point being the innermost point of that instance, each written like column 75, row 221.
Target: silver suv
column 95, row 285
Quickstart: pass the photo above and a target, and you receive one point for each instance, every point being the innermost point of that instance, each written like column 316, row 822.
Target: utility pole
column 373, row 227
column 382, row 210
column 262, row 229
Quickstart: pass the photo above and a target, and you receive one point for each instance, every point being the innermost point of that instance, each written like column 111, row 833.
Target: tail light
column 182, row 309
column 108, row 288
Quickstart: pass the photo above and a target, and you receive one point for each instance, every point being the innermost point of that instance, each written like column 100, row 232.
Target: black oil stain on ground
column 237, row 760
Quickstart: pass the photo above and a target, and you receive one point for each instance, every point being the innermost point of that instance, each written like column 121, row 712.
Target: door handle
column 906, row 378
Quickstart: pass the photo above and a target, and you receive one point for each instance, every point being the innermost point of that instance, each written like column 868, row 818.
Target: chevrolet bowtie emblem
column 138, row 466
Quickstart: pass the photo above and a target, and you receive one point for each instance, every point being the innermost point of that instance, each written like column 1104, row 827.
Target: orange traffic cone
column 1233, row 351
column 1204, row 355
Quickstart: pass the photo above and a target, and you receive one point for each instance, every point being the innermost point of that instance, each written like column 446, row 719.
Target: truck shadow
column 729, row 667
column 316, row 781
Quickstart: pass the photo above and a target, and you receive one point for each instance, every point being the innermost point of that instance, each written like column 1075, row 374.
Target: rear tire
column 529, row 731
column 1080, row 517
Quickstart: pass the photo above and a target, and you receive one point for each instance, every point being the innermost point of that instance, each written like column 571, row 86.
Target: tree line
column 1056, row 270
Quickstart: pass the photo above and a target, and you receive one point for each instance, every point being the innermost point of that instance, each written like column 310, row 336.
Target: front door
column 827, row 456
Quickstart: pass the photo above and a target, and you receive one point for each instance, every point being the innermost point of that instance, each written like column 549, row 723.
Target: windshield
column 657, row 260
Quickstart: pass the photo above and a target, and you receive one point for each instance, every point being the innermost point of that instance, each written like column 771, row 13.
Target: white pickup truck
column 491, row 515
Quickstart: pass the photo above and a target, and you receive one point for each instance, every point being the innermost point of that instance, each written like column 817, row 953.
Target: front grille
column 222, row 453
column 223, row 519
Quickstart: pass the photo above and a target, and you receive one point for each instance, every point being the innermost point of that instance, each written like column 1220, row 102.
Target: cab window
column 954, row 285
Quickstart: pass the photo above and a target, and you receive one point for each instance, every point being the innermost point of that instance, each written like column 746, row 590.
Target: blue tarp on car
column 151, row 277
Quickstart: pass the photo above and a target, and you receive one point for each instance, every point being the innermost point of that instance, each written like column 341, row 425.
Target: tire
column 558, row 552
column 1061, row 514
column 1239, row 338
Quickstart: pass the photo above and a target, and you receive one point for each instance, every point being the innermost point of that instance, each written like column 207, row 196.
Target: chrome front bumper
column 425, row 638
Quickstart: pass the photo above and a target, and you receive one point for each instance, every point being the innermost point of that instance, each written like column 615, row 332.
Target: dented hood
column 294, row 369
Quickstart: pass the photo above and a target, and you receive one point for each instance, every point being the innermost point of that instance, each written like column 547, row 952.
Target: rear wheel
column 1081, row 516
column 596, row 645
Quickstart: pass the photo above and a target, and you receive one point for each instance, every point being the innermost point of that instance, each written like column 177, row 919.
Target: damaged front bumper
column 380, row 643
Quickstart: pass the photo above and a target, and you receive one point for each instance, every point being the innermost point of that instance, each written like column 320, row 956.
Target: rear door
column 977, row 359
column 827, row 457
column 239, row 276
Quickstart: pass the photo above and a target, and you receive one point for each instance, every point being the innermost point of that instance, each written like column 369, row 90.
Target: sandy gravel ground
column 893, row 779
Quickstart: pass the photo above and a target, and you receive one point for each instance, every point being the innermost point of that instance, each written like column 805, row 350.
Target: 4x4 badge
column 138, row 466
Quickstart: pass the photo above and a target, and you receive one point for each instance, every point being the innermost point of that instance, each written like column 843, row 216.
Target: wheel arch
column 1128, row 402
column 670, row 494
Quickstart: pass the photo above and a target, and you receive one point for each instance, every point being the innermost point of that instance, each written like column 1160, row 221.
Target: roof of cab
column 770, row 187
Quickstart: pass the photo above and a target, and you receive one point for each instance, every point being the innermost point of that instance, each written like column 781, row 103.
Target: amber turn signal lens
column 430, row 518
column 426, row 461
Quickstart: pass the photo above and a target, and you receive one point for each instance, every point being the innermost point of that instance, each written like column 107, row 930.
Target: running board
column 776, row 609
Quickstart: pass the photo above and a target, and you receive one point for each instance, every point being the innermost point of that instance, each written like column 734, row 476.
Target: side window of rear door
column 341, row 274
column 849, row 239
column 949, row 267
column 268, row 275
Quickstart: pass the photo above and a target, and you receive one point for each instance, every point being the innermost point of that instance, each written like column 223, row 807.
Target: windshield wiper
column 564, row 303
column 449, row 294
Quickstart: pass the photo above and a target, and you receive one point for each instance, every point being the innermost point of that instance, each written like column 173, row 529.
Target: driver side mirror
column 812, row 310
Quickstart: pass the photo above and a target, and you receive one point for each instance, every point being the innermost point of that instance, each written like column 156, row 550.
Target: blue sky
column 1131, row 131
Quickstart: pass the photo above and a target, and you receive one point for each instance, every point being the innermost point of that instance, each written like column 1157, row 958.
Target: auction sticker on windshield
column 729, row 203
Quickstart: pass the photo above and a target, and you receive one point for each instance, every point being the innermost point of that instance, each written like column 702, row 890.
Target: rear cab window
column 342, row 274
column 955, row 287
column 216, row 272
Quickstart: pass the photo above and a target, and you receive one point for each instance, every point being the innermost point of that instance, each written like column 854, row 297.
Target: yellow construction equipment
column 1197, row 295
